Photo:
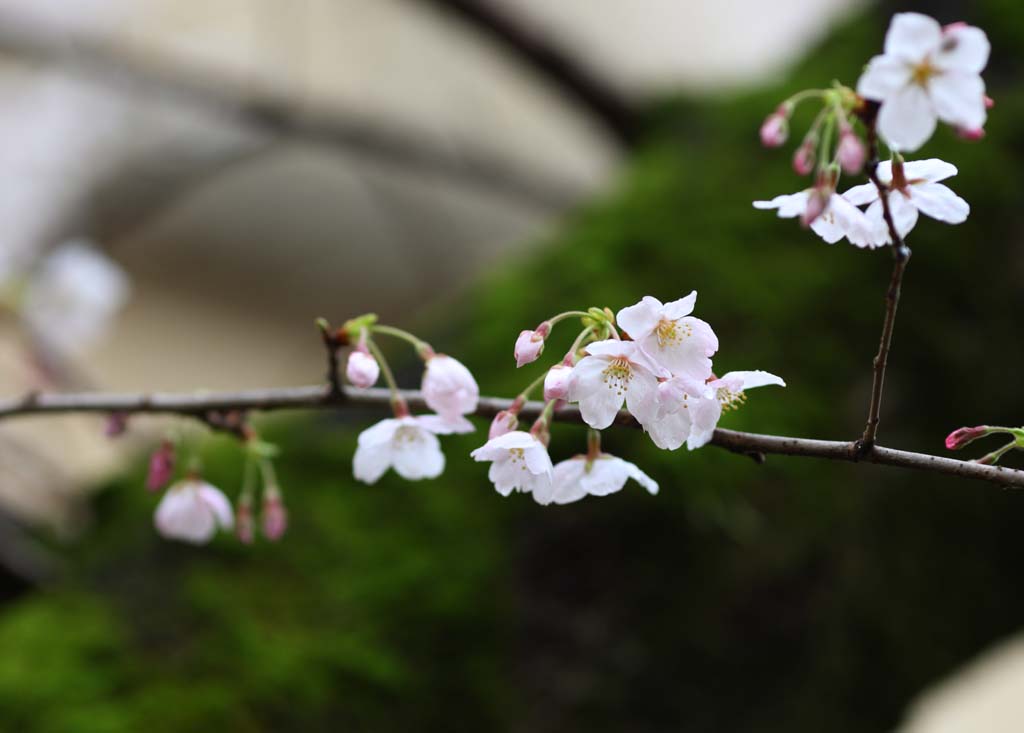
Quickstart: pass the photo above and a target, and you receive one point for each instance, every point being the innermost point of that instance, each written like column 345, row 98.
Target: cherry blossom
column 614, row 372
column 450, row 389
column 361, row 369
column 668, row 334
column 519, row 461
column 504, row 422
column 963, row 436
column 407, row 444
column 192, row 511
column 275, row 515
column 161, row 466
column 850, row 153
column 556, row 382
column 530, row 345
column 914, row 189
column 579, row 476
column 926, row 72
column 839, row 218
column 775, row 128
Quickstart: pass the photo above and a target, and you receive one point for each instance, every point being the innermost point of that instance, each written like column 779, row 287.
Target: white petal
column 904, row 213
column 567, row 486
column 218, row 504
column 876, row 219
column 959, row 99
column 537, row 459
column 181, row 515
column 862, row 195
column 677, row 309
column 500, row 446
column 640, row 477
column 380, row 433
column 640, row 319
column 789, row 204
column 418, row 455
column 912, row 36
column 756, row 378
column 964, row 48
column 441, row 426
column 939, row 202
column 642, row 396
column 704, row 415
column 670, row 431
column 930, row 169
column 606, row 476
column 599, row 408
column 370, row 462
column 612, row 347
column 505, row 476
column 883, row 77
column 907, row 118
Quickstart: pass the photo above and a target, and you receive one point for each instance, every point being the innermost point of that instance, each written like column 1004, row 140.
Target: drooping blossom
column 362, row 369
column 192, row 511
column 693, row 418
column 926, row 72
column 915, row 188
column 407, row 444
column 580, row 476
column 838, row 218
column 668, row 334
column 556, row 382
column 614, row 372
column 71, row 298
column 449, row 389
column 530, row 344
column 519, row 461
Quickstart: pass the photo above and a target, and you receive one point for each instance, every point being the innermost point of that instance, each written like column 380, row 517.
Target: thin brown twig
column 315, row 397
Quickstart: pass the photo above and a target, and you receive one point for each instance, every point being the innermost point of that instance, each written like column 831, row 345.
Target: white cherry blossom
column 672, row 337
column 578, row 477
column 519, row 461
column 839, row 218
column 916, row 188
column 614, row 372
column 407, row 444
column 192, row 511
column 926, row 72
column 449, row 389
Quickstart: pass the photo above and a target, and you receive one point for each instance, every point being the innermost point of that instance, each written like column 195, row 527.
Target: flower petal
column 640, row 319
column 677, row 309
column 370, row 462
column 862, row 195
column 939, row 202
column 912, row 36
column 904, row 213
column 418, row 456
column 218, row 504
column 959, row 99
column 671, row 430
column 883, row 77
column 640, row 477
column 930, row 169
column 907, row 119
column 756, row 378
column 440, row 426
column 964, row 48
column 606, row 476
column 567, row 486
column 788, row 204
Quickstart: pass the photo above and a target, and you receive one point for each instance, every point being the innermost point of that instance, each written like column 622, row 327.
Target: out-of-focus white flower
column 579, row 477
column 361, row 369
column 519, row 461
column 449, row 389
column 926, row 72
column 72, row 297
column 408, row 444
column 673, row 338
column 915, row 188
column 192, row 511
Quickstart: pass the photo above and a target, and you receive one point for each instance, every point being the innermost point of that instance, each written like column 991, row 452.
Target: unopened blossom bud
column 775, row 128
column 804, row 158
column 161, row 466
column 449, row 388
column 556, row 382
column 362, row 370
column 117, row 424
column 989, row 102
column 192, row 511
column 530, row 344
column 275, row 516
column 244, row 526
column 504, row 422
column 962, row 436
column 972, row 135
column 851, row 152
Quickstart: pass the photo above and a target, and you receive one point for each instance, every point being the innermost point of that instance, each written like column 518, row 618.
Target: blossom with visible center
column 926, row 73
column 361, row 369
column 614, row 372
column 71, row 299
column 838, row 218
column 914, row 188
column 581, row 476
column 450, row 390
column 727, row 393
column 192, row 511
column 669, row 335
column 519, row 461
column 408, row 444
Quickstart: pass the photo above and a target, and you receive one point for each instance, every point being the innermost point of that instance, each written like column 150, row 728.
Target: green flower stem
column 389, row 377
column 583, row 335
column 567, row 314
column 423, row 349
column 525, row 394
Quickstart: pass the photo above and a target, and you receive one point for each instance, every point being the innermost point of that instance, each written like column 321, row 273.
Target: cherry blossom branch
column 218, row 404
column 901, row 257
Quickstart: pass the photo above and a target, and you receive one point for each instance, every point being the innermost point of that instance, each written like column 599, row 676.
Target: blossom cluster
column 926, row 73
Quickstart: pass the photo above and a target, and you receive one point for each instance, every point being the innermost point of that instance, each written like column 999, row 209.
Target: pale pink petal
column 537, row 459
column 440, row 426
column 959, row 99
column 677, row 309
column 640, row 319
column 218, row 504
column 505, row 476
column 418, row 455
column 613, row 347
column 371, row 462
column 500, row 446
column 930, row 169
column 380, row 433
column 599, row 408
column 704, row 415
column 449, row 388
column 641, row 396
column 862, row 195
column 907, row 119
column 912, row 36
column 181, row 515
column 963, row 48
column 640, row 477
column 567, row 485
column 607, row 475
column 883, row 77
column 939, row 202
column 670, row 431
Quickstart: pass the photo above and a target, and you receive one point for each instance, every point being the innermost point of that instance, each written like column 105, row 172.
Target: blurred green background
column 794, row 596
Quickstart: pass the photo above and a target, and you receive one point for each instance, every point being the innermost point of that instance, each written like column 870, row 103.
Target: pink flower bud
column 556, row 382
column 275, row 516
column 989, row 102
column 804, row 158
column 362, row 370
column 530, row 344
column 962, row 436
column 161, row 466
column 851, row 152
column 973, row 135
column 504, row 422
column 117, row 424
column 775, row 128
column 244, row 529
